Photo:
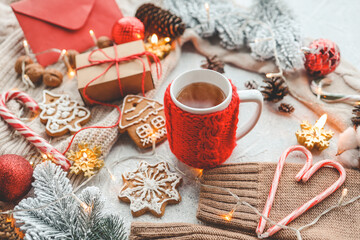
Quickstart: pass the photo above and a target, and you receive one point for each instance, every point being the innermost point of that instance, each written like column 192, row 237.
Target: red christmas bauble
column 127, row 29
column 322, row 57
column 15, row 177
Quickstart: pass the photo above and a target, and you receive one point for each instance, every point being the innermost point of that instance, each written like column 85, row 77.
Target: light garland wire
column 197, row 179
column 229, row 215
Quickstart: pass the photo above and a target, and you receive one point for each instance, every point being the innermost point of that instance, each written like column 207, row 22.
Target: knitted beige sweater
column 13, row 143
column 251, row 182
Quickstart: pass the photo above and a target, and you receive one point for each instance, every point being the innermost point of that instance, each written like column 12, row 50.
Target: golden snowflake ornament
column 314, row 136
column 86, row 160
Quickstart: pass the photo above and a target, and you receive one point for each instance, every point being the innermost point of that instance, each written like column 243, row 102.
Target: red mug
column 205, row 137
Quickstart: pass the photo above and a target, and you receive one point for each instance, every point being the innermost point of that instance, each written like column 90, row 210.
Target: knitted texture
column 182, row 231
column 202, row 141
column 13, row 143
column 251, row 182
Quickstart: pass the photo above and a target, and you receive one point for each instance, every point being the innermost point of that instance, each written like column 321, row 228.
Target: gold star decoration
column 313, row 136
column 85, row 160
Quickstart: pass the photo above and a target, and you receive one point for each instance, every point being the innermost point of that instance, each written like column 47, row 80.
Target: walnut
column 52, row 78
column 104, row 42
column 71, row 54
column 18, row 63
column 35, row 72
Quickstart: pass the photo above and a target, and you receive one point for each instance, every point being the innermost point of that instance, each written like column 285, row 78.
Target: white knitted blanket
column 11, row 37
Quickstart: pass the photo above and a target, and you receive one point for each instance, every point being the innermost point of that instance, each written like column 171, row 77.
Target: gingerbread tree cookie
column 150, row 188
column 143, row 119
column 61, row 114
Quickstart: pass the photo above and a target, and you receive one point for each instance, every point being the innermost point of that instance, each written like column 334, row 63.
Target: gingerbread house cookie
column 144, row 120
column 61, row 114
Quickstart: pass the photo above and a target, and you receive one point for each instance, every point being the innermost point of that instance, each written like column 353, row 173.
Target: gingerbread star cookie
column 61, row 114
column 144, row 120
column 150, row 188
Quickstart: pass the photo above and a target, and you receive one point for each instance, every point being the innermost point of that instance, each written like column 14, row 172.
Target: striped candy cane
column 275, row 183
column 30, row 135
column 296, row 213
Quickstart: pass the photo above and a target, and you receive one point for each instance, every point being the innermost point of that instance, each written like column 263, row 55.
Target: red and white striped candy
column 275, row 183
column 29, row 134
column 335, row 186
column 304, row 174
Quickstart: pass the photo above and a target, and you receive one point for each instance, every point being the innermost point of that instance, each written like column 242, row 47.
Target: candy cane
column 296, row 213
column 29, row 134
column 274, row 186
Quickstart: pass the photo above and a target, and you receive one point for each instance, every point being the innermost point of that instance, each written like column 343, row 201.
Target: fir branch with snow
column 65, row 218
column 267, row 26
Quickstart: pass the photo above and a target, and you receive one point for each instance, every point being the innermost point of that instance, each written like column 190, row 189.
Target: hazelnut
column 104, row 42
column 52, row 78
column 35, row 72
column 18, row 64
column 71, row 54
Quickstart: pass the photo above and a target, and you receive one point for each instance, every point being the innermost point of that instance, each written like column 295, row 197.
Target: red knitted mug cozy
column 202, row 141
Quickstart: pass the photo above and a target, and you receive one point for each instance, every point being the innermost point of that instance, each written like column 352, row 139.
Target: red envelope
column 64, row 24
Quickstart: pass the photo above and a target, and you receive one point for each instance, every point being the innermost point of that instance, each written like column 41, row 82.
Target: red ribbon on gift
column 115, row 61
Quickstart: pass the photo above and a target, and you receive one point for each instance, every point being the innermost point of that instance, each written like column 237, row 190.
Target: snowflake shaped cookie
column 61, row 114
column 150, row 188
column 311, row 136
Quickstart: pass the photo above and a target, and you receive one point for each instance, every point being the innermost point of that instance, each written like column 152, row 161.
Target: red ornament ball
column 322, row 57
column 15, row 177
column 127, row 29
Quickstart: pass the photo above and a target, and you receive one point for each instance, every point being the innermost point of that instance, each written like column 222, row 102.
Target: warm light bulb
column 227, row 217
column 167, row 39
column 86, row 207
column 71, row 74
column 26, row 46
column 321, row 122
column 200, row 172
column 154, row 39
column 207, row 7
column 269, row 75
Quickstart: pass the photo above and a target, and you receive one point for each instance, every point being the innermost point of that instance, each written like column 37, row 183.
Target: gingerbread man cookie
column 150, row 188
column 144, row 120
column 61, row 114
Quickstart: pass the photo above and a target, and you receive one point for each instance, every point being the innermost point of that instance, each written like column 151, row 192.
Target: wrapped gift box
column 106, row 88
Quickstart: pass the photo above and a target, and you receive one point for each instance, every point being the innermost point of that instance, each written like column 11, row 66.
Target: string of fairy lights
column 63, row 56
column 153, row 154
column 197, row 179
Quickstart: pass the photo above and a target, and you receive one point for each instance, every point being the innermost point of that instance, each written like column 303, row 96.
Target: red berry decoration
column 127, row 29
column 15, row 177
column 322, row 57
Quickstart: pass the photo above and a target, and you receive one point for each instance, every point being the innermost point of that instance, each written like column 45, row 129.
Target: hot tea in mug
column 201, row 109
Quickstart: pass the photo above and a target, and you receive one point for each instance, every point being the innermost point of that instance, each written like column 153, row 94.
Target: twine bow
column 115, row 61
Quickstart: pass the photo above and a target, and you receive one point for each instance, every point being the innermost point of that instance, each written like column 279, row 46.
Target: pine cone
column 275, row 90
column 286, row 108
column 356, row 120
column 251, row 84
column 7, row 230
column 213, row 63
column 160, row 21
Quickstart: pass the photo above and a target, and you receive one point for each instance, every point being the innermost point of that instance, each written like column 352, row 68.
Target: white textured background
column 335, row 20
